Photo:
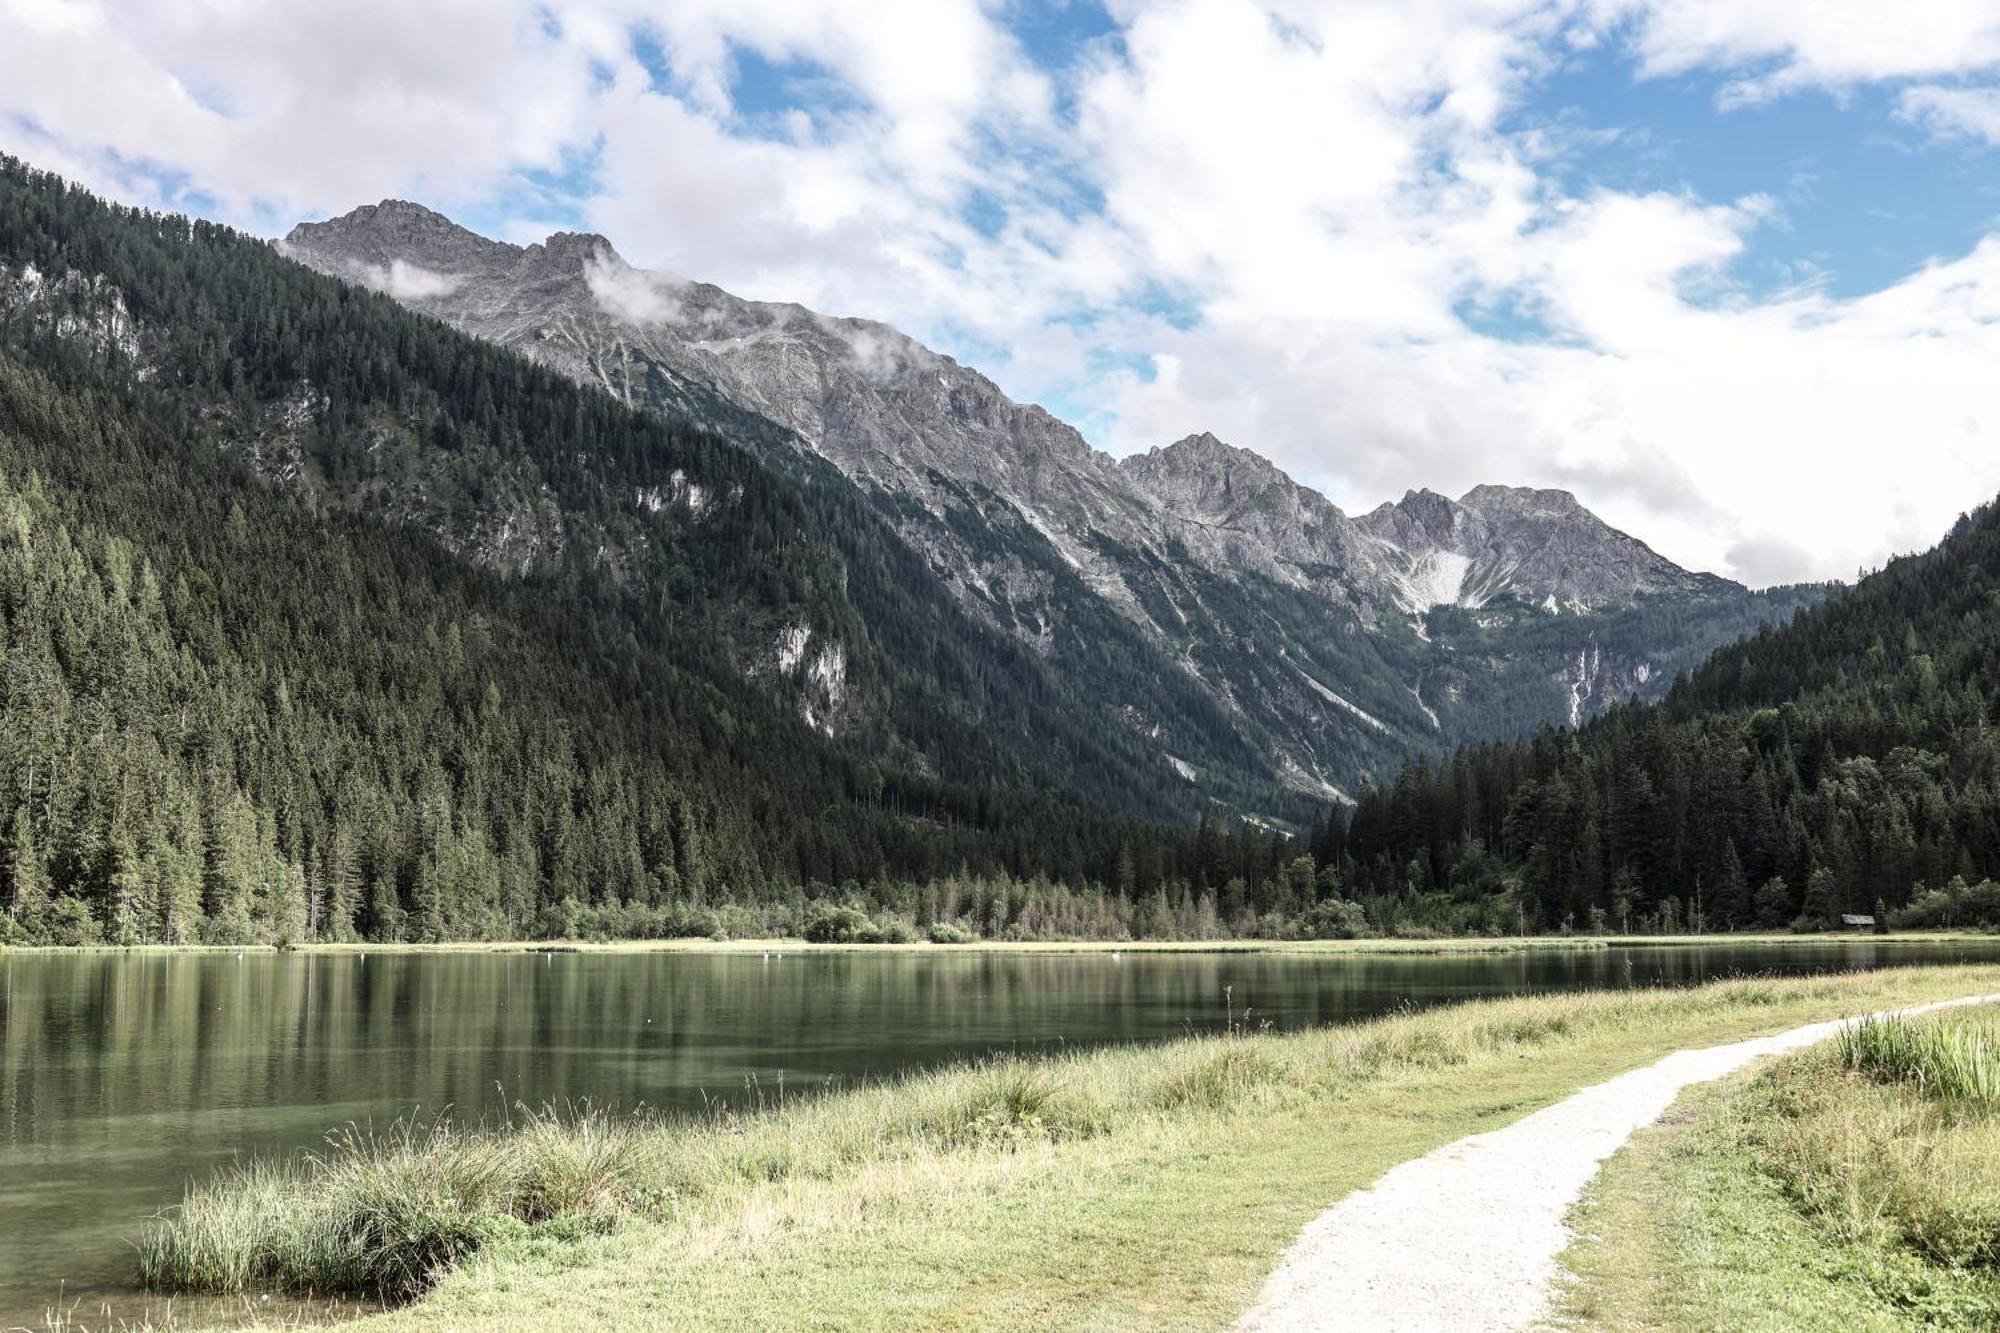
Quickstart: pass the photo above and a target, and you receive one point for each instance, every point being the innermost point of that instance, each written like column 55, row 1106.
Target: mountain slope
column 1845, row 763
column 319, row 618
column 1277, row 648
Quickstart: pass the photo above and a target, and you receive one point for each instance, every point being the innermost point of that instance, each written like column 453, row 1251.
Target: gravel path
column 1465, row 1240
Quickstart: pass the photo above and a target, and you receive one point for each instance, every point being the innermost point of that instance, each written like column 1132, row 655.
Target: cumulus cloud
column 283, row 108
column 1954, row 112
column 1292, row 223
column 412, row 282
column 1752, row 437
column 1782, row 46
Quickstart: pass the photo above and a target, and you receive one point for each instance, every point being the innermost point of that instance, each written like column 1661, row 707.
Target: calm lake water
column 121, row 1077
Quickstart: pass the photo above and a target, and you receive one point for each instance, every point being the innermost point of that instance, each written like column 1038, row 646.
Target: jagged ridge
column 1303, row 628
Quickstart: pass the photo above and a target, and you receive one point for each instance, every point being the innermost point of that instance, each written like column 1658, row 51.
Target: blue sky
column 1863, row 197
column 1728, row 271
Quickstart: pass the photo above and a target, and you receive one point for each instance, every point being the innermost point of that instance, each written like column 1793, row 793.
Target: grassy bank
column 1853, row 1187
column 1481, row 944
column 1139, row 1187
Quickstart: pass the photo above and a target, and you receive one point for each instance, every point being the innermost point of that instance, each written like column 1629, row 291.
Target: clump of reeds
column 1890, row 1136
column 382, row 1213
column 1948, row 1060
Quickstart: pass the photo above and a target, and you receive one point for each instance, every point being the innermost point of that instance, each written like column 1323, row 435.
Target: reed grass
column 1952, row 1059
column 1892, row 1137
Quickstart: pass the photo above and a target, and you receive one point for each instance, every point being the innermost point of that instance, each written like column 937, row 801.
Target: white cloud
column 1780, row 46
column 295, row 106
column 1284, row 208
column 412, row 282
column 924, row 70
column 630, row 294
column 1968, row 112
column 1341, row 212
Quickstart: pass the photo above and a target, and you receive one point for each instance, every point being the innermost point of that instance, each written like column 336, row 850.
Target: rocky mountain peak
column 1254, row 586
column 1204, row 460
column 571, row 252
column 1539, row 546
column 1205, row 451
column 1425, row 515
column 395, row 230
column 1525, row 500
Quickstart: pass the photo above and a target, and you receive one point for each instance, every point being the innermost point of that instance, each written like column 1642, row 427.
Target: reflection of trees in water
column 96, row 1035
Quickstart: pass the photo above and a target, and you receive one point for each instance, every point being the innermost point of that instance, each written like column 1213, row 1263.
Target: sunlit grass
column 1480, row 944
column 1892, row 1137
column 1853, row 1186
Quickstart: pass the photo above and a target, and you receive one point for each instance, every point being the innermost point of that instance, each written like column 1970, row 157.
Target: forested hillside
column 1232, row 635
column 323, row 620
column 1846, row 763
column 238, row 710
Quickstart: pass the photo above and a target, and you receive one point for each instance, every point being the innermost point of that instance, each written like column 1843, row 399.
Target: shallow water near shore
column 122, row 1076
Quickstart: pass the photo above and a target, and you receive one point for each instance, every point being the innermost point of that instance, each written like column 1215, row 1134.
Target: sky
column 1729, row 270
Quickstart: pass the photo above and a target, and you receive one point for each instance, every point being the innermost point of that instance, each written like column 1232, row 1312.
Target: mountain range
column 549, row 608
column 1272, row 649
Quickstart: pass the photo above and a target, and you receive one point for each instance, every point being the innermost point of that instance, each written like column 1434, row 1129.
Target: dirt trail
column 1465, row 1240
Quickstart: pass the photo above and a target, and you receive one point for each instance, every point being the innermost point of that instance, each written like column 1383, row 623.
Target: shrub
column 1333, row 919
column 829, row 923
column 844, row 923
column 1956, row 904
column 891, row 930
column 952, row 932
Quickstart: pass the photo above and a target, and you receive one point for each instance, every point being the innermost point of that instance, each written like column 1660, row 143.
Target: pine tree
column 126, row 912
column 28, row 884
column 1821, row 905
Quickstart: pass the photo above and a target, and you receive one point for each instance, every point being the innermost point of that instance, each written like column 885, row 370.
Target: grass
column 1949, row 1060
column 1852, row 1187
column 1128, row 1188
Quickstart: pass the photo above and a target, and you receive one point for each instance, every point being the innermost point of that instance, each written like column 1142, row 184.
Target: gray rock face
column 1303, row 623
column 1241, row 511
column 1540, row 547
column 885, row 409
column 895, row 414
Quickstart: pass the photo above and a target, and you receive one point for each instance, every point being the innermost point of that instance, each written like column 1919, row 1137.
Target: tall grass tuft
column 1890, row 1137
column 1948, row 1060
column 383, row 1213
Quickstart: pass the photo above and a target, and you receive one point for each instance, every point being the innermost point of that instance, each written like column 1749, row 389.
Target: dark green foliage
column 1956, row 904
column 263, row 681
column 844, row 923
column 1842, row 762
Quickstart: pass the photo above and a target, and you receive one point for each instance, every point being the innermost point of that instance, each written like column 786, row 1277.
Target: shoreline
column 1473, row 944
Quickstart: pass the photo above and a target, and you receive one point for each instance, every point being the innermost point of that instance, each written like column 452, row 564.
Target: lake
column 124, row 1075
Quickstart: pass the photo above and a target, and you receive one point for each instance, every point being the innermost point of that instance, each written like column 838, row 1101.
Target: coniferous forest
column 273, row 670
column 237, row 712
column 1844, row 764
